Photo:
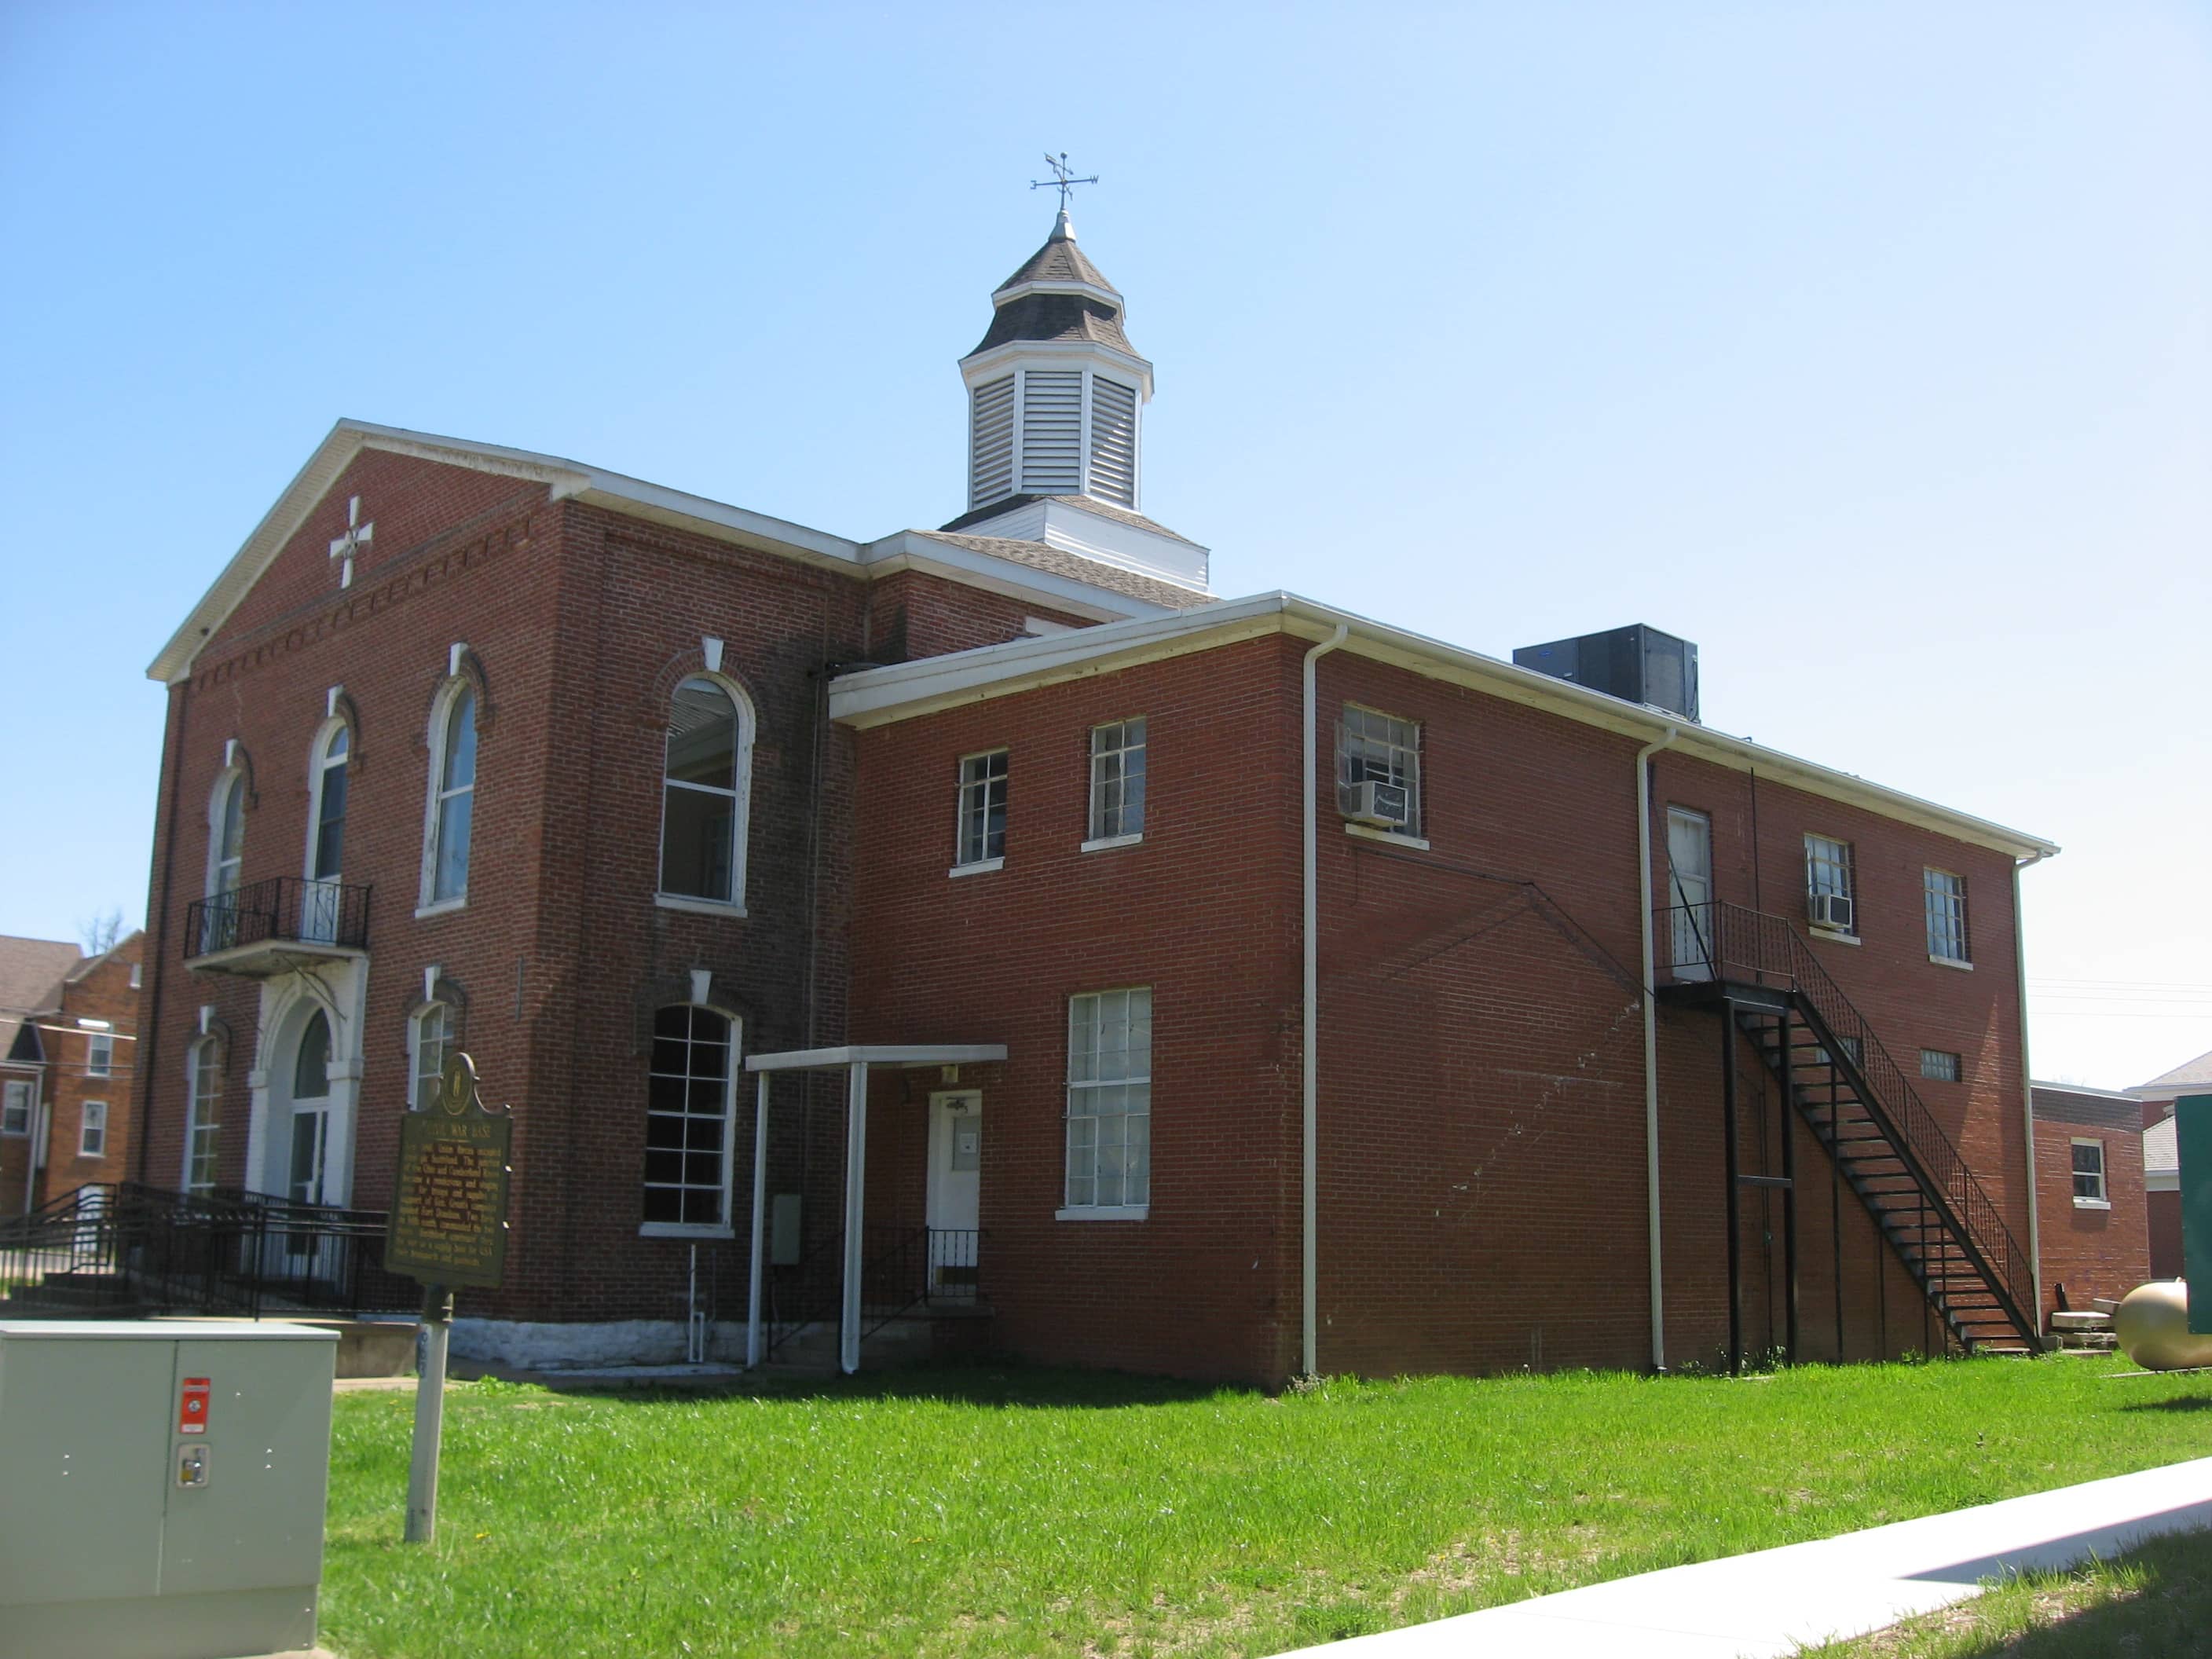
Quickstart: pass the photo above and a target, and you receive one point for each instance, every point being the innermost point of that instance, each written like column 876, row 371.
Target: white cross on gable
column 358, row 536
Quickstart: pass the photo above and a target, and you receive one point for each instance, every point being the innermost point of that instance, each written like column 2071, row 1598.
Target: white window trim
column 441, row 716
column 1066, row 1211
column 1829, row 935
column 414, row 1044
column 319, row 763
column 1965, row 942
column 1106, row 843
column 976, row 866
column 1387, row 837
column 30, row 1099
column 229, row 778
column 726, row 1227
column 93, row 1066
column 2104, row 1174
column 1121, row 838
column 741, row 810
column 193, row 1102
column 84, row 1123
column 1952, row 962
column 1416, row 783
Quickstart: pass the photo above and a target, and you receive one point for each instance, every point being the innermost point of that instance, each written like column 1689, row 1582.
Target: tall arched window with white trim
column 226, row 863
column 702, row 796
column 431, row 1037
column 453, row 796
column 326, row 840
column 204, row 1114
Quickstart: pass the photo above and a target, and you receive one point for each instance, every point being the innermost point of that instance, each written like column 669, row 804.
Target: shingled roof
column 1062, row 316
column 31, row 974
column 2194, row 1077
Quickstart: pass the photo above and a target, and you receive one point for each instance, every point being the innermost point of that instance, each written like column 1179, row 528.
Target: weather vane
column 1061, row 180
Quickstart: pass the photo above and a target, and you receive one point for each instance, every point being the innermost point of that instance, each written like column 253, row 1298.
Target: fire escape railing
column 1720, row 941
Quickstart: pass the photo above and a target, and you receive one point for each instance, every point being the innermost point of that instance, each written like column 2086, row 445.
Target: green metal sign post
column 2192, row 1130
column 448, row 1227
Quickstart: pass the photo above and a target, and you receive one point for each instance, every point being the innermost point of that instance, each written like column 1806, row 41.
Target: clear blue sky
column 1866, row 345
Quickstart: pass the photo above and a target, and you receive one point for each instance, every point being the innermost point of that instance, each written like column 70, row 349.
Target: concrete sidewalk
column 1777, row 1600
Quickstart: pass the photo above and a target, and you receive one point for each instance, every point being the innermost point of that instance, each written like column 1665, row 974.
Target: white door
column 1690, row 891
column 956, row 1171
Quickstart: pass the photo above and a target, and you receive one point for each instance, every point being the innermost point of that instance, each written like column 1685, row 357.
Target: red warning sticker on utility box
column 192, row 1405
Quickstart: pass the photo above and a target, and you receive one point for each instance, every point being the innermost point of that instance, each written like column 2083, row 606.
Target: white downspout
column 2028, row 1088
column 1311, row 1360
column 1650, row 1041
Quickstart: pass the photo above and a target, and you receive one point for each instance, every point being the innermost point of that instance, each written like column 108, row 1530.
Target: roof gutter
column 1310, row 1053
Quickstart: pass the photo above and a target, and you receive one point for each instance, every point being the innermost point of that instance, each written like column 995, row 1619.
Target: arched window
column 326, row 850
column 203, row 1117
column 453, row 796
column 702, row 798
column 430, row 1041
column 311, row 1111
column 227, row 834
column 688, row 1108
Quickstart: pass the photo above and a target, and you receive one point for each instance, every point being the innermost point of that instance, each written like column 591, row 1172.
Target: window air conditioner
column 1372, row 801
column 1831, row 910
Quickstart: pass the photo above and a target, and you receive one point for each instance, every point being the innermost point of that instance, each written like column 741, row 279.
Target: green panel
column 2192, row 1128
column 84, row 1438
column 257, row 1523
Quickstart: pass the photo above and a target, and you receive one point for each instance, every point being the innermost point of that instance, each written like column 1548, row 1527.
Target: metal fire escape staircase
column 1884, row 1142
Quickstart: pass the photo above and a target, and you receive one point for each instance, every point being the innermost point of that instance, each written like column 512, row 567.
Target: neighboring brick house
column 979, row 855
column 69, row 1031
column 2090, row 1182
column 2161, row 1156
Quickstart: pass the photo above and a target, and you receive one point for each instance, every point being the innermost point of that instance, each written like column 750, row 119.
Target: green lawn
column 1012, row 1511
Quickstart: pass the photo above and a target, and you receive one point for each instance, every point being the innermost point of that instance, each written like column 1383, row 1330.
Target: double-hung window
column 1831, row 896
column 1946, row 915
column 2089, row 1174
column 705, row 783
column 1379, row 749
column 15, row 1107
column 99, row 1056
column 453, row 798
column 688, row 1106
column 203, row 1116
column 92, row 1133
column 1117, row 781
column 1109, row 1103
column 982, row 840
column 432, row 1040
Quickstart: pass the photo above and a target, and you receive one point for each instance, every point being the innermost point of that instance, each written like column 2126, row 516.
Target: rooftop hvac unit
column 1385, row 806
column 1831, row 910
column 1638, row 663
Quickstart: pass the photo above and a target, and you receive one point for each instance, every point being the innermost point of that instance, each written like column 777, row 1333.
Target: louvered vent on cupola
column 1112, row 442
column 1052, row 431
column 991, row 448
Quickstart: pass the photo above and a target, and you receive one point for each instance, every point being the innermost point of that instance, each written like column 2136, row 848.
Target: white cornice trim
column 879, row 696
column 1007, row 297
column 1016, row 354
column 633, row 497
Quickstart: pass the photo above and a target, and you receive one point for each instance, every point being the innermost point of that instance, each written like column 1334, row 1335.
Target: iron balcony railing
column 116, row 1245
column 280, row 909
column 1719, row 941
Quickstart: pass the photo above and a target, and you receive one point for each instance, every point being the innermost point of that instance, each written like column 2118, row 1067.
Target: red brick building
column 69, row 1040
column 2091, row 1193
column 993, row 860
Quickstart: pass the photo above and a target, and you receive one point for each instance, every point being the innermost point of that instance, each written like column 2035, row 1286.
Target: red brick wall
column 104, row 992
column 2092, row 1252
column 915, row 614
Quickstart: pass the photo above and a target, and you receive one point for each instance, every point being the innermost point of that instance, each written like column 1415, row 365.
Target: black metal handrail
column 1717, row 940
column 123, row 1244
column 280, row 909
column 902, row 1267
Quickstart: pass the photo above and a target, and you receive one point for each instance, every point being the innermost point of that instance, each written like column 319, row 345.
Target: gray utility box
column 161, row 1487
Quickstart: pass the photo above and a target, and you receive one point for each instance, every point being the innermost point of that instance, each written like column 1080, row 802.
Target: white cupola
column 1055, row 389
column 1055, row 410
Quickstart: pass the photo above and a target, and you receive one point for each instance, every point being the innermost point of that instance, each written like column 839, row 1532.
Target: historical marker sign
column 449, row 1207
